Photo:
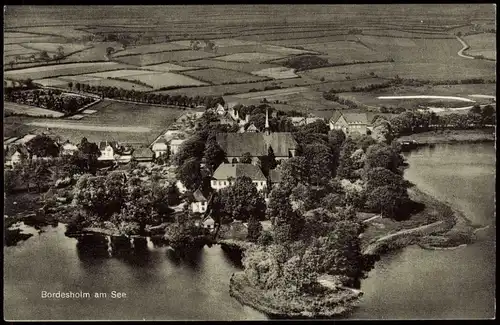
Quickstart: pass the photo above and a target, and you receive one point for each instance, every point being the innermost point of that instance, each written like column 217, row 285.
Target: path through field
column 88, row 127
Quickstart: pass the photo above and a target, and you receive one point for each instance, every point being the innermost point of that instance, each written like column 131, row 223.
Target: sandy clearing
column 428, row 97
column 87, row 127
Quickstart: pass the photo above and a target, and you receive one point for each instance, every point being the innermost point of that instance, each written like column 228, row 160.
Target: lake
column 415, row 283
column 412, row 283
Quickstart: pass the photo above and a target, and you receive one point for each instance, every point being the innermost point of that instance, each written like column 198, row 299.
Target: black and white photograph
column 250, row 162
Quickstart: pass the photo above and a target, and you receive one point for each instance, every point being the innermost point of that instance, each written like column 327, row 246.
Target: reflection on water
column 416, row 283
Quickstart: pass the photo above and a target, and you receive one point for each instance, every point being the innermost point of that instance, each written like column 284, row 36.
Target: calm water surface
column 416, row 283
column 413, row 283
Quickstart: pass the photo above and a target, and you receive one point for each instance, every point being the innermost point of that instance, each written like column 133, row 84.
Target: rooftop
column 224, row 171
column 236, row 144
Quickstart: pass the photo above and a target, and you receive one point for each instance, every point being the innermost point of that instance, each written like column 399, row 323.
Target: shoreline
column 451, row 136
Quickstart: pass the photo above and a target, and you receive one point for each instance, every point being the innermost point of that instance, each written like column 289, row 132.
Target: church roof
column 236, row 144
column 224, row 171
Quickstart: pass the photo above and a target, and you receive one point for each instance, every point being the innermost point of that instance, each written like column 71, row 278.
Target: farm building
column 200, row 202
column 252, row 128
column 220, row 109
column 160, row 148
column 226, row 174
column 143, row 156
column 351, row 122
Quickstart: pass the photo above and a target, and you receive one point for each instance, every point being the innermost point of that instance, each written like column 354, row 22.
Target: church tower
column 266, row 128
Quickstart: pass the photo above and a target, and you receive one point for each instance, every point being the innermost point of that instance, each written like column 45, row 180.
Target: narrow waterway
column 415, row 283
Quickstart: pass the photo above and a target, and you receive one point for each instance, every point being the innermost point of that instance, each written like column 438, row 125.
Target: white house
column 209, row 223
column 15, row 155
column 160, row 148
column 181, row 187
column 200, row 203
column 175, row 145
column 220, row 109
column 108, row 150
column 226, row 174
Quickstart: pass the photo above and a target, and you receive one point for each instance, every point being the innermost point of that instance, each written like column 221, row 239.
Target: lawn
column 29, row 110
column 221, row 76
column 151, row 48
column 250, row 57
column 56, row 70
column 156, row 58
column 482, row 44
column 124, row 122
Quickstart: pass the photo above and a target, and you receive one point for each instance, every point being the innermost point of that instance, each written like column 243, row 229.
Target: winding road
column 465, row 47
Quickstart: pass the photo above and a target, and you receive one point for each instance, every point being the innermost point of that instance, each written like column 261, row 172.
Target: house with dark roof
column 16, row 154
column 200, row 202
column 235, row 145
column 351, row 122
column 226, row 174
column 143, row 155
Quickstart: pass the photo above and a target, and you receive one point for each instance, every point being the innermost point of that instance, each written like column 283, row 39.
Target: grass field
column 482, row 44
column 428, row 71
column 344, row 51
column 276, row 73
column 251, row 57
column 151, row 48
column 51, row 82
column 119, row 73
column 221, row 76
column 166, row 67
column 52, row 47
column 29, row 110
column 238, row 66
column 165, row 79
column 62, row 69
column 104, row 82
column 67, row 31
column 156, row 58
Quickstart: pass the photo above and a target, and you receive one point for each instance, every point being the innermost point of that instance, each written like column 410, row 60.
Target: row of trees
column 145, row 97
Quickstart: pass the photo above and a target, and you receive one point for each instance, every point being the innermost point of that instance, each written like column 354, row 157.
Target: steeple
column 266, row 128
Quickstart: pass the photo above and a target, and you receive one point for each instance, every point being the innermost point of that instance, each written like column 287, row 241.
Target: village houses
column 200, row 202
column 108, row 150
column 351, row 122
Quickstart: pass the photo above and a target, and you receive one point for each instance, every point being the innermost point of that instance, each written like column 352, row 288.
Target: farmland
column 482, row 44
column 156, row 58
column 29, row 110
column 151, row 48
column 221, row 76
column 237, row 66
column 166, row 67
column 276, row 73
column 250, row 57
column 62, row 69
column 164, row 80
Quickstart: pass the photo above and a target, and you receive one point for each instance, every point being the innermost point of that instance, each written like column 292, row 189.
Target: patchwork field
column 156, row 58
column 67, row 31
column 62, row 69
column 29, row 110
column 221, row 76
column 167, row 67
column 251, row 57
column 165, row 79
column 237, row 66
column 51, row 82
column 151, row 48
column 119, row 73
column 346, row 51
column 482, row 44
column 104, row 82
column 276, row 73
column 428, row 71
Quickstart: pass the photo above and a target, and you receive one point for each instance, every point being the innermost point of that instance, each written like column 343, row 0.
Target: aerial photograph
column 249, row 162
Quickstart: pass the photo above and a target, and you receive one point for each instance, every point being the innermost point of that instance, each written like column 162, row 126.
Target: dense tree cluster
column 49, row 99
column 306, row 62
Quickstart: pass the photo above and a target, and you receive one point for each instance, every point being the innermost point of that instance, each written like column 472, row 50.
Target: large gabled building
column 226, row 174
column 351, row 122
